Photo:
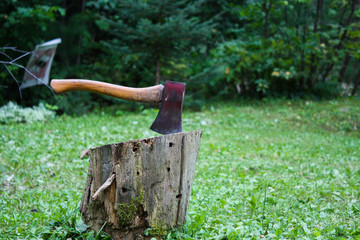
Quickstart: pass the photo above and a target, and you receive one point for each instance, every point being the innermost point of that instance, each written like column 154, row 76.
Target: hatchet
column 171, row 97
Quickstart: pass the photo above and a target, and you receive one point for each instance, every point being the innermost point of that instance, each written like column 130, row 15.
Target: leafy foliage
column 13, row 113
column 286, row 48
column 221, row 49
column 155, row 33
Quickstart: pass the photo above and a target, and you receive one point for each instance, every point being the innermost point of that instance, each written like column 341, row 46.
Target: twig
column 17, row 83
column 26, row 70
column 106, row 184
column 13, row 62
column 14, row 49
column 6, row 55
column 25, row 54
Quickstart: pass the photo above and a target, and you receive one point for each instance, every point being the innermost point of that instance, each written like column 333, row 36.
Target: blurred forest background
column 222, row 49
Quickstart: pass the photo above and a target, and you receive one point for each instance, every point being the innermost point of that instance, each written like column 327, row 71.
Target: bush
column 13, row 113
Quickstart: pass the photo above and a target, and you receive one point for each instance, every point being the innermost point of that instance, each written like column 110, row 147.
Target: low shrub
column 13, row 113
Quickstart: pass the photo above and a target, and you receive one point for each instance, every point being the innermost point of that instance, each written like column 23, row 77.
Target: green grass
column 272, row 170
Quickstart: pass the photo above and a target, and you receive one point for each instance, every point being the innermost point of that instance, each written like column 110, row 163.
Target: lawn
column 266, row 170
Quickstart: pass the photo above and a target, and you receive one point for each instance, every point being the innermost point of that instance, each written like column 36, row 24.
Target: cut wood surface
column 140, row 184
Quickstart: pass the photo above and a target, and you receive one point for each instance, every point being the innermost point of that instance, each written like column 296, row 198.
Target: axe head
column 169, row 118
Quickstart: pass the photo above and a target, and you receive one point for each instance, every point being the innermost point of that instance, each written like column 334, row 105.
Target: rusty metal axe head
column 169, row 118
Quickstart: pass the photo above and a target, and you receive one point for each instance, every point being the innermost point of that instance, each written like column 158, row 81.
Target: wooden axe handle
column 149, row 94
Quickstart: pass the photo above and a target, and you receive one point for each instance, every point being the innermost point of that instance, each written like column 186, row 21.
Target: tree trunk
column 321, row 14
column 302, row 67
column 344, row 67
column 82, row 9
column 317, row 15
column 312, row 70
column 158, row 66
column 266, row 9
column 356, row 83
column 140, row 184
column 342, row 38
column 158, row 46
column 341, row 18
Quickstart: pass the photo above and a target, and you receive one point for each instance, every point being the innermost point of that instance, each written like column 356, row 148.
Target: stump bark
column 140, row 184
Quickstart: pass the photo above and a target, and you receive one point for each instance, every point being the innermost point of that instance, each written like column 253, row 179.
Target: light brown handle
column 149, row 94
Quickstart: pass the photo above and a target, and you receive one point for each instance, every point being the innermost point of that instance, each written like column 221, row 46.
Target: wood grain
column 153, row 180
column 149, row 94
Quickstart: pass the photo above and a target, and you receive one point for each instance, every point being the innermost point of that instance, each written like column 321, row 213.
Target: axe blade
column 169, row 118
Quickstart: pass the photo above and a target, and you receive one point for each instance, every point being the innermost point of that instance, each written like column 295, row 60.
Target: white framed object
column 39, row 64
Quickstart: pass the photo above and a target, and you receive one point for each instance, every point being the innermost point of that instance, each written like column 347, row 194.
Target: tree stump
column 140, row 185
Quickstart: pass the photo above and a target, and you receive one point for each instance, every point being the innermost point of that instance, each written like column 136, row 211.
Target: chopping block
column 140, row 188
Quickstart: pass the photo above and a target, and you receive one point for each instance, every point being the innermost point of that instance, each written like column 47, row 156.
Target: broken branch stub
column 140, row 184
